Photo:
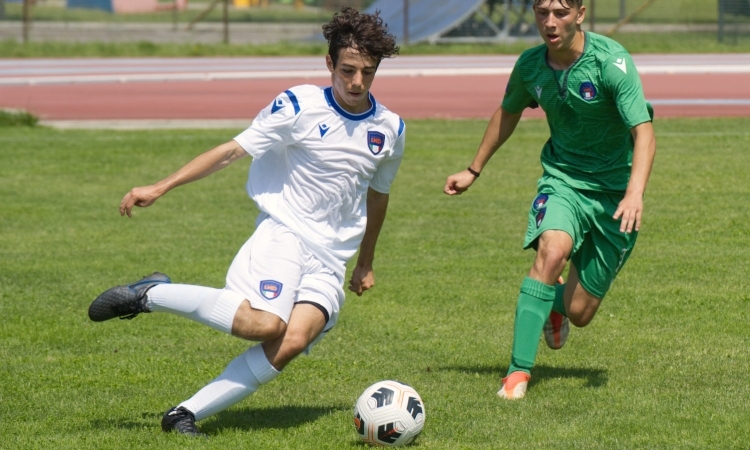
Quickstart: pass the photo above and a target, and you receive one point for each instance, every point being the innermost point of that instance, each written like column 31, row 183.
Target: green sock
column 558, row 305
column 533, row 308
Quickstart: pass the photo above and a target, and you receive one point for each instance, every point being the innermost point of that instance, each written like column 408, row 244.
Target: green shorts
column 599, row 248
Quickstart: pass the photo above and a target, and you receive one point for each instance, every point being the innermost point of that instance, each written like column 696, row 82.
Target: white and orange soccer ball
column 389, row 413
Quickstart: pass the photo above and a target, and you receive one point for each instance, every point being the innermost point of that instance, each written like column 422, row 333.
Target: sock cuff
column 559, row 304
column 223, row 312
column 259, row 365
column 153, row 297
column 538, row 289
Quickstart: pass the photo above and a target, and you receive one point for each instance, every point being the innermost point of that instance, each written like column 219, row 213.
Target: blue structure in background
column 105, row 5
column 472, row 21
column 428, row 19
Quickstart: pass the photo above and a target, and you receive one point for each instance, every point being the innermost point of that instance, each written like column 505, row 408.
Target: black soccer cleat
column 125, row 301
column 180, row 420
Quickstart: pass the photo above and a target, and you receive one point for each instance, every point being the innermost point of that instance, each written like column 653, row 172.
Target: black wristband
column 473, row 172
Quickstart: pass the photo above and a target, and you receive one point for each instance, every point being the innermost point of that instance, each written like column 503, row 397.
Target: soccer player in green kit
column 597, row 162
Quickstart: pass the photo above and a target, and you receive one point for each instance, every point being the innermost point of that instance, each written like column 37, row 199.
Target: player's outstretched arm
column 500, row 128
column 630, row 209
column 200, row 167
column 363, row 277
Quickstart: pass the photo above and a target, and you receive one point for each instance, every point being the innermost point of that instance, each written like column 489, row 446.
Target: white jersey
column 313, row 163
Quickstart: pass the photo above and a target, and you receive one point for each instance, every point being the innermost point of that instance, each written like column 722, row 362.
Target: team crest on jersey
column 375, row 141
column 587, row 91
column 270, row 289
column 540, row 202
column 540, row 217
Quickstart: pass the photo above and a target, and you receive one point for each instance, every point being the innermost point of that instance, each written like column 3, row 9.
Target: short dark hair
column 564, row 3
column 364, row 32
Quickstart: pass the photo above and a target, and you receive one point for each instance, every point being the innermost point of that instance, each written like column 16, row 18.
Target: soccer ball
column 389, row 413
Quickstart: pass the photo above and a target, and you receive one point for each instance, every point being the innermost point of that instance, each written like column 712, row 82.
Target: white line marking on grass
column 701, row 102
column 704, row 133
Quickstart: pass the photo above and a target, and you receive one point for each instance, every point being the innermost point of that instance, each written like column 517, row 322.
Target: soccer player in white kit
column 323, row 163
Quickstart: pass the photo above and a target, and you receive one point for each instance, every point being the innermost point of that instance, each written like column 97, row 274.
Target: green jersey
column 590, row 109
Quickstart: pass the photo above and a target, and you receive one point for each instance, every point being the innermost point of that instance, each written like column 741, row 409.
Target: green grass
column 15, row 49
column 635, row 43
column 279, row 13
column 17, row 119
column 605, row 14
column 661, row 11
column 663, row 365
column 694, row 42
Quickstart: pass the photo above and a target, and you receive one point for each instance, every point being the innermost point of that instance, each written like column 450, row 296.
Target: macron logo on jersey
column 621, row 64
column 323, row 129
column 538, row 92
column 277, row 105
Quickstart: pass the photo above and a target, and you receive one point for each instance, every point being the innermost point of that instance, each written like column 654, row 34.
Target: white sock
column 243, row 376
column 213, row 307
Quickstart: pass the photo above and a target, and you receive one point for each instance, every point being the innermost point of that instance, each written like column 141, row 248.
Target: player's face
column 558, row 23
column 351, row 79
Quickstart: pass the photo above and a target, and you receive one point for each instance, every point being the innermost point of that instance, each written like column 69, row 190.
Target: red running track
column 443, row 96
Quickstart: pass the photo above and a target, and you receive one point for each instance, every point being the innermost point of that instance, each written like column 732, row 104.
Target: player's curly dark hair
column 565, row 3
column 365, row 32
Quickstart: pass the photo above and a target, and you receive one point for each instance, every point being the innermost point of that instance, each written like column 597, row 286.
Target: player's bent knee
column 294, row 343
column 555, row 257
column 272, row 329
column 258, row 326
column 582, row 316
column 550, row 259
column 580, row 321
column 290, row 348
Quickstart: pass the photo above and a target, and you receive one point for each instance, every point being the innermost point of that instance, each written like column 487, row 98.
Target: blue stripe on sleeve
column 401, row 126
column 293, row 99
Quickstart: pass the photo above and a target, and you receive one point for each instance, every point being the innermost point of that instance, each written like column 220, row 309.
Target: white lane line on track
column 244, row 75
column 700, row 102
column 286, row 74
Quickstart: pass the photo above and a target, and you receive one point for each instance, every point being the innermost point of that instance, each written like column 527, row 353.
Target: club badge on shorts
column 540, row 207
column 540, row 202
column 375, row 141
column 540, row 217
column 270, row 289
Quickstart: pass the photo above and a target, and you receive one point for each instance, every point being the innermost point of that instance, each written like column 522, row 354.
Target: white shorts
column 274, row 270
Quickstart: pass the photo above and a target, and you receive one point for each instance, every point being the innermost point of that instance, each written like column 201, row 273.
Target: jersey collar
column 332, row 103
column 563, row 86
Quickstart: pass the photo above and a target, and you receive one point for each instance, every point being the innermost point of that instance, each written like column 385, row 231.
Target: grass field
column 697, row 36
column 664, row 364
column 277, row 13
column 635, row 43
column 660, row 11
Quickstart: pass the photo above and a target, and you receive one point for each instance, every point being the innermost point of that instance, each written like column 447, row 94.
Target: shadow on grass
column 234, row 418
column 257, row 418
column 594, row 378
column 147, row 420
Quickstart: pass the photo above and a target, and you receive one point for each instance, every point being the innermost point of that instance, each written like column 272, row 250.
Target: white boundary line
column 287, row 74
column 700, row 102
